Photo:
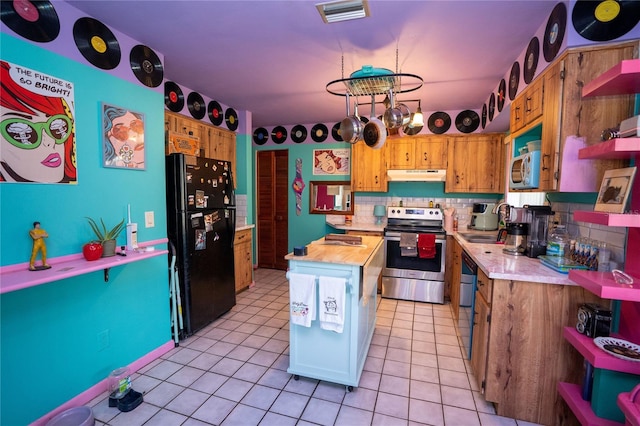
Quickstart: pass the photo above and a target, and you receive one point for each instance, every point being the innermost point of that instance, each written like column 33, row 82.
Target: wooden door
column 272, row 206
column 368, row 171
column 480, row 342
column 431, row 152
column 401, row 153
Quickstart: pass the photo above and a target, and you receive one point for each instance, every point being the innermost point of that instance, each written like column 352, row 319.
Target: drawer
column 242, row 236
column 485, row 285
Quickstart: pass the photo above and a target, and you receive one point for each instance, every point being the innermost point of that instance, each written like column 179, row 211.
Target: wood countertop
column 321, row 251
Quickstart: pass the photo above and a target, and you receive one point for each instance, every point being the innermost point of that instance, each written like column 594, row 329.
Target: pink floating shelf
column 608, row 219
column 622, row 79
column 619, row 148
column 572, row 394
column 604, row 285
column 18, row 277
column 631, row 409
column 596, row 356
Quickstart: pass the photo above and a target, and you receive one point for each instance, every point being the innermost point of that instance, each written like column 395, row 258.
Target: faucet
column 497, row 207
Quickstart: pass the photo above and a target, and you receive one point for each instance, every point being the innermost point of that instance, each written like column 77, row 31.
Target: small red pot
column 92, row 251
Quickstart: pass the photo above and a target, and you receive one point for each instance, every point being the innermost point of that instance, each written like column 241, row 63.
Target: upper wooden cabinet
column 368, row 168
column 565, row 113
column 475, row 163
column 215, row 142
column 527, row 106
column 417, row 152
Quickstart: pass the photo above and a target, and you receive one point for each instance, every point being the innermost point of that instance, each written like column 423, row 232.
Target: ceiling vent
column 343, row 10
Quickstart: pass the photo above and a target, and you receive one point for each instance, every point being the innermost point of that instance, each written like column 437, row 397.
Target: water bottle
column 558, row 241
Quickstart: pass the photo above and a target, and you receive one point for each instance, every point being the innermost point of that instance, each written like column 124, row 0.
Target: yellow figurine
column 38, row 236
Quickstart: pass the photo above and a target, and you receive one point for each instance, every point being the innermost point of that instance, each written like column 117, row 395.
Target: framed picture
column 614, row 190
column 331, row 161
column 123, row 138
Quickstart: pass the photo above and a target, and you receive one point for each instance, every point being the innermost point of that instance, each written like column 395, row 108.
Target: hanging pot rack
column 375, row 85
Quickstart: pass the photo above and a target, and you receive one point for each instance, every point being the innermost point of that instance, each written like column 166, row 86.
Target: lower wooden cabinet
column 243, row 259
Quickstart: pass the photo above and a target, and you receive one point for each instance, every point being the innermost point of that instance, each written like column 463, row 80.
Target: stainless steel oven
column 409, row 276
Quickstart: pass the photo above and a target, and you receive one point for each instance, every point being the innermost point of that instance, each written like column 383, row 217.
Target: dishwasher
column 468, row 280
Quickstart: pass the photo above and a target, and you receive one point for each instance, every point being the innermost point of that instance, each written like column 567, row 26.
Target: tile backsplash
column 241, row 209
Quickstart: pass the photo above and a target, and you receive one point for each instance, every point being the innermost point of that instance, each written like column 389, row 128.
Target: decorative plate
column 619, row 348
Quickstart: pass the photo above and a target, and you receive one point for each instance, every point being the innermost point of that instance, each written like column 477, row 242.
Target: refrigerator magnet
column 201, row 239
column 192, row 200
column 200, row 199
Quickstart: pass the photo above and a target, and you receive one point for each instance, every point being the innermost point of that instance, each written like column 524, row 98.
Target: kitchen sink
column 478, row 238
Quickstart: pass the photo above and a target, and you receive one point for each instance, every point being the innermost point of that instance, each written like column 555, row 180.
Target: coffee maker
column 538, row 219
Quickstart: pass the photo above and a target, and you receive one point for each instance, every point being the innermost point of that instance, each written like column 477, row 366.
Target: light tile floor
column 233, row 372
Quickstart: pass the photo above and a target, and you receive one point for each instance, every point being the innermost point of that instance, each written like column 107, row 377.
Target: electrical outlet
column 103, row 340
column 149, row 220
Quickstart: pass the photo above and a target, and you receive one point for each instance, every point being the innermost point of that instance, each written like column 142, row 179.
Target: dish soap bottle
column 558, row 241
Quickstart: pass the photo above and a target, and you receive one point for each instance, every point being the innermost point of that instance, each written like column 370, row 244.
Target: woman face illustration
column 127, row 137
column 33, row 145
column 327, row 164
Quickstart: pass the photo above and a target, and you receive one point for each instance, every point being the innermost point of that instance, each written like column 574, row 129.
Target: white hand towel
column 302, row 298
column 332, row 293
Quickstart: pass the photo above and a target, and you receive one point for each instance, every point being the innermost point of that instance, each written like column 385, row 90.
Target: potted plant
column 107, row 237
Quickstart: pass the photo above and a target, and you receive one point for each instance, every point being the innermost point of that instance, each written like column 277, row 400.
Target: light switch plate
column 149, row 220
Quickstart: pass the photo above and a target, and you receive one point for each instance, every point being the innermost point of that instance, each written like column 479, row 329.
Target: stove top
column 419, row 213
column 414, row 219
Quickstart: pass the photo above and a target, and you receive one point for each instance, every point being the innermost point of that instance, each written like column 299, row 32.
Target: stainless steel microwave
column 524, row 171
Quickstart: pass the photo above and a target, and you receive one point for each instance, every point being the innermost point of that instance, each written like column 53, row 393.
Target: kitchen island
column 329, row 355
column 519, row 354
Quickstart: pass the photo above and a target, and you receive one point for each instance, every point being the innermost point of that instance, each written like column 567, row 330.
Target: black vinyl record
column 554, row 32
column 502, row 88
column 483, row 119
column 173, row 97
column 231, row 118
column 467, row 121
column 439, row 122
column 260, row 136
column 492, row 106
column 298, row 133
column 335, row 132
column 146, row 65
column 196, row 105
column 216, row 115
column 514, row 80
column 410, row 131
column 531, row 59
column 605, row 20
column 33, row 20
column 279, row 134
column 319, row 132
column 97, row 43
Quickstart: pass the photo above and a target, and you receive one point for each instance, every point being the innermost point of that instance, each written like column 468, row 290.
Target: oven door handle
column 395, row 236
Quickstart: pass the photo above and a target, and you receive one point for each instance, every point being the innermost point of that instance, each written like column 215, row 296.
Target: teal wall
column 49, row 333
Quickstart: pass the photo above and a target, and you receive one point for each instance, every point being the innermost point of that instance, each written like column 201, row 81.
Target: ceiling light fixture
column 343, row 10
column 418, row 118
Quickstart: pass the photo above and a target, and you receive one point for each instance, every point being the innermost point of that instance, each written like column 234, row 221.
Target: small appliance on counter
column 483, row 218
column 538, row 220
column 515, row 243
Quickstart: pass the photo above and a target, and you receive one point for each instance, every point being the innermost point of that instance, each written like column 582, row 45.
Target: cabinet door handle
column 545, row 158
column 406, row 155
column 424, row 154
column 457, row 179
column 480, row 283
column 518, row 114
column 528, row 104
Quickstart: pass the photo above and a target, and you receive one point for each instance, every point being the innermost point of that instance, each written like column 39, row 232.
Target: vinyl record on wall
column 531, row 60
column 279, row 134
column 483, row 118
column 605, row 20
column 439, row 122
column 231, row 118
column 96, row 43
column 173, row 97
column 319, row 132
column 335, row 132
column 467, row 121
column 33, row 20
column 298, row 133
column 196, row 105
column 554, row 32
column 216, row 115
column 514, row 80
column 492, row 106
column 146, row 65
column 502, row 88
column 260, row 136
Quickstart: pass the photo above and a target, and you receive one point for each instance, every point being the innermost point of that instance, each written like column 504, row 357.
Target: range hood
column 430, row 175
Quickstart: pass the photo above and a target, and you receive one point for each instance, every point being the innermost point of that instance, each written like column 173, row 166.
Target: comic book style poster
column 37, row 127
column 331, row 162
column 123, row 138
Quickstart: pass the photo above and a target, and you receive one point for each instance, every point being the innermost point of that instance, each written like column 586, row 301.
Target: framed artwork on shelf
column 123, row 138
column 614, row 190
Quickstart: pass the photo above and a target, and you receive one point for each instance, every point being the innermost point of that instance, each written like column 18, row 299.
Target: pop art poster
column 37, row 127
column 331, row 161
column 123, row 141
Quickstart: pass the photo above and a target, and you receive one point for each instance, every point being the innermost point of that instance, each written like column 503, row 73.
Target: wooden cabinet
column 563, row 112
column 368, row 169
column 475, row 164
column 215, row 142
column 480, row 342
column 453, row 272
column 417, row 152
column 527, row 106
column 243, row 259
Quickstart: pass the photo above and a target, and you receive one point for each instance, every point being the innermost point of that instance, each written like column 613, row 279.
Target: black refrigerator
column 201, row 219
